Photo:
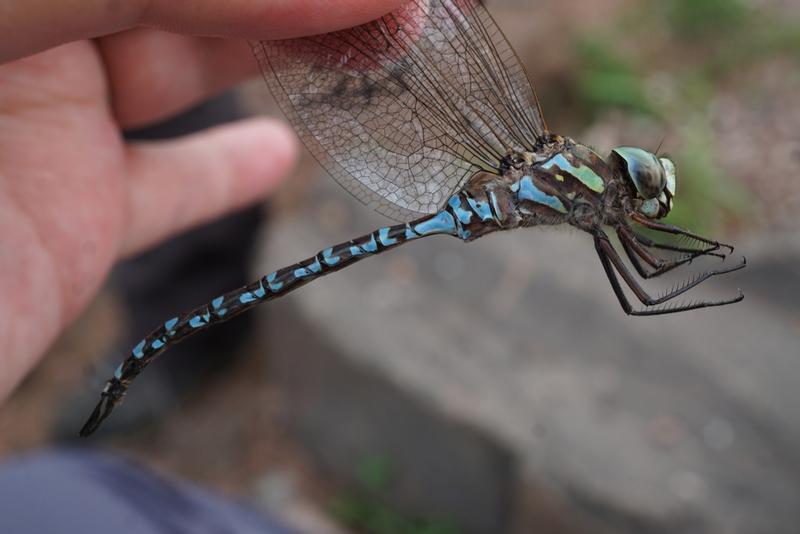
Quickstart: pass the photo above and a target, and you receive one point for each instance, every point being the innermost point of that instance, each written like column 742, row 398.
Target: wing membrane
column 402, row 110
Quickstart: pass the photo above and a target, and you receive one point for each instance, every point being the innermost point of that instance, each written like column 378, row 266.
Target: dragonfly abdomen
column 456, row 220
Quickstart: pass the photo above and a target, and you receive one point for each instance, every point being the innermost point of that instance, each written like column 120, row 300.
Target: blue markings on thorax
column 527, row 190
column 584, row 174
column 495, row 203
column 483, row 209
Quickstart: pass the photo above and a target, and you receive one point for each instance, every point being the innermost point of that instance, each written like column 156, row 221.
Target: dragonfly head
column 651, row 176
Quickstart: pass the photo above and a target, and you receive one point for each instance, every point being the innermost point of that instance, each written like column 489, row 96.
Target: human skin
column 74, row 196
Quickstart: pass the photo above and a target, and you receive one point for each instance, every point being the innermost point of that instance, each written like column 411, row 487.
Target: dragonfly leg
column 636, row 252
column 710, row 250
column 613, row 264
column 674, row 230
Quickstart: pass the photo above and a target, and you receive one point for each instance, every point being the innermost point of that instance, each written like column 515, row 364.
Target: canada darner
column 427, row 115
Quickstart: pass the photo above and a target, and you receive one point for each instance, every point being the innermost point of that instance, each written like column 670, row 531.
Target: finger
column 154, row 75
column 263, row 19
column 176, row 185
column 35, row 25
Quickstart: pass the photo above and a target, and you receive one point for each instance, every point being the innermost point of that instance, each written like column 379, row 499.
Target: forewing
column 401, row 111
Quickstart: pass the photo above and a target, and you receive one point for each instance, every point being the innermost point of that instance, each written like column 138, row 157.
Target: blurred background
column 497, row 386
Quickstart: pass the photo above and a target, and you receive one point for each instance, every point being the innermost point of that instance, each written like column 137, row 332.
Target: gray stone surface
column 512, row 354
column 350, row 415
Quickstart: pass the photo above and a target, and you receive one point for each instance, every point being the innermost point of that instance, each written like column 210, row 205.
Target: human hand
column 74, row 197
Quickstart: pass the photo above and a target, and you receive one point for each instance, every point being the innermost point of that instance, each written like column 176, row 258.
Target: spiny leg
column 634, row 254
column 634, row 250
column 690, row 243
column 610, row 260
column 641, row 294
column 674, row 230
column 710, row 250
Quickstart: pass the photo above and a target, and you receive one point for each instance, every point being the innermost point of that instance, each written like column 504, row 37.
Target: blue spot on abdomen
column 383, row 236
column 138, row 350
column 329, row 258
column 217, row 305
column 247, row 298
column 260, row 292
column 371, row 246
column 441, row 223
column 273, row 286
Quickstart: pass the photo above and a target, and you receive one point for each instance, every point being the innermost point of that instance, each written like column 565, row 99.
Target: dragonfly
column 428, row 116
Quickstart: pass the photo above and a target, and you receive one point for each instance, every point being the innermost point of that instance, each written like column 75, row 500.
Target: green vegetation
column 663, row 62
column 703, row 19
column 607, row 80
column 367, row 509
column 708, row 195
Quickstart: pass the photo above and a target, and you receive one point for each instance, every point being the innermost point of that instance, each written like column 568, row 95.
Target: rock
column 489, row 372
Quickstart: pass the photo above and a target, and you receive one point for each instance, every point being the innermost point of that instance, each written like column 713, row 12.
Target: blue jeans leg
column 86, row 492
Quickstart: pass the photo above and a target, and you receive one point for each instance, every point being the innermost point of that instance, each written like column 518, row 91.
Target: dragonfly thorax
column 652, row 178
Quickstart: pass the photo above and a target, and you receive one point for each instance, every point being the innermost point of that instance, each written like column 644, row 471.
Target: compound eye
column 644, row 170
column 669, row 168
column 651, row 180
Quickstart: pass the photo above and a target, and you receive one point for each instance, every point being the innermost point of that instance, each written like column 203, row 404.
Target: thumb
column 177, row 184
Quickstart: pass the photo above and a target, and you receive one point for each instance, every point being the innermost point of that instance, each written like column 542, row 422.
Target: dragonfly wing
column 402, row 110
